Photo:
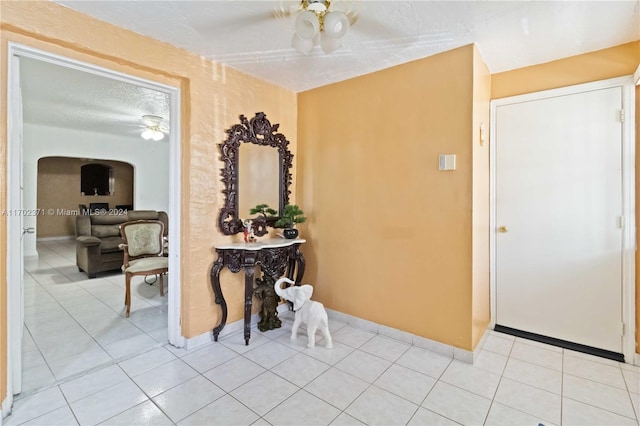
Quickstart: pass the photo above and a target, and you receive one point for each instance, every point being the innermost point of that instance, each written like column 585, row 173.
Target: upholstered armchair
column 143, row 250
column 98, row 239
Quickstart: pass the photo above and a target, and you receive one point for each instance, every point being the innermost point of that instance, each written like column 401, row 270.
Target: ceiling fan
column 317, row 21
column 152, row 128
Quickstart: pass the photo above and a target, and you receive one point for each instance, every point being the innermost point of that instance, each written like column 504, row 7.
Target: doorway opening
column 21, row 232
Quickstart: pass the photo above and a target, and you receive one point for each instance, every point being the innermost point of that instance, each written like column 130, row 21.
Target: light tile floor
column 73, row 324
column 365, row 379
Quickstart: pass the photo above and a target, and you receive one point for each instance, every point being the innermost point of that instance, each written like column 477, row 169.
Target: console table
column 275, row 256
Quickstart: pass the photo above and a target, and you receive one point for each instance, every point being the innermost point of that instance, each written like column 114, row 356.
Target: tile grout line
column 504, row 368
column 431, row 390
column 624, row 379
column 47, row 362
column 333, row 366
column 60, row 381
column 302, row 388
column 43, row 358
column 370, row 385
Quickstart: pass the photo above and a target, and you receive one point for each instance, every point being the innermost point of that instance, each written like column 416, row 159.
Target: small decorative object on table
column 307, row 311
column 267, row 217
column 288, row 220
column 249, row 236
column 269, row 310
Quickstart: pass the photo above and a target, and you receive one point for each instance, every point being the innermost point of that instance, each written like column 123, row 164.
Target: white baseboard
column 636, row 359
column 412, row 339
column 471, row 356
column 231, row 328
column 60, row 238
column 5, row 409
column 403, row 336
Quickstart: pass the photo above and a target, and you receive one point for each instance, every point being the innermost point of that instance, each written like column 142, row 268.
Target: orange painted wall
column 603, row 64
column 391, row 236
column 213, row 96
column 599, row 65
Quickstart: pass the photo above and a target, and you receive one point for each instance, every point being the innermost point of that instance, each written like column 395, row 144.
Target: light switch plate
column 447, row 162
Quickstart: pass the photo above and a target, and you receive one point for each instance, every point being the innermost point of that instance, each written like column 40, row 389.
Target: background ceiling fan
column 153, row 128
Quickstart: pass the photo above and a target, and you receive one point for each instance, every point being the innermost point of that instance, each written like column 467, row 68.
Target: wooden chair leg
column 161, row 284
column 127, row 294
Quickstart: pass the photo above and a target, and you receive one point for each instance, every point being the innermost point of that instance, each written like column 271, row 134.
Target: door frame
column 628, row 196
column 15, row 299
column 15, row 304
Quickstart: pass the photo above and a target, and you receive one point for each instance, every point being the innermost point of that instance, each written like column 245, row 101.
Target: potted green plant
column 290, row 216
column 264, row 210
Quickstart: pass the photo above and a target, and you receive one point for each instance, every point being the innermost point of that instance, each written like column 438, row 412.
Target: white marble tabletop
column 261, row 244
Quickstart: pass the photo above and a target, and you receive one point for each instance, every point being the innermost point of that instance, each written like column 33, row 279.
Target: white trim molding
column 14, row 266
column 60, row 238
column 229, row 329
column 5, row 408
column 412, row 339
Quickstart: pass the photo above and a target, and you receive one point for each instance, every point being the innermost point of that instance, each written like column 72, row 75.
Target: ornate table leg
column 217, row 291
column 249, row 264
column 299, row 260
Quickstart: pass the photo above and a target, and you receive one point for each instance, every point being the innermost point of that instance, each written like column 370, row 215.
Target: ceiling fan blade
column 362, row 19
column 211, row 18
column 352, row 16
column 286, row 8
column 206, row 25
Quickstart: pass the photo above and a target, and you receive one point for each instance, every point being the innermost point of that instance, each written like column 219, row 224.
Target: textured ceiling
column 255, row 36
column 58, row 96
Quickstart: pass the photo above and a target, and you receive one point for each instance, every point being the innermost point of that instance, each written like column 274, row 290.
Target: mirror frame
column 257, row 131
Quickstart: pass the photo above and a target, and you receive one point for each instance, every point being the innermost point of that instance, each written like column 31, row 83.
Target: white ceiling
column 255, row 37
column 58, row 96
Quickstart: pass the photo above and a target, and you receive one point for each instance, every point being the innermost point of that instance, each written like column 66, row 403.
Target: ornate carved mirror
column 264, row 157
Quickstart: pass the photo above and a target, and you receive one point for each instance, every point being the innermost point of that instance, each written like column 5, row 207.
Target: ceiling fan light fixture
column 152, row 129
column 329, row 44
column 307, row 25
column 318, row 6
column 301, row 45
column 336, row 24
column 153, row 134
column 316, row 23
column 147, row 134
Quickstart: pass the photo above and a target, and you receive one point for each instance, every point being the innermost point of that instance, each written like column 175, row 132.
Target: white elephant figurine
column 306, row 311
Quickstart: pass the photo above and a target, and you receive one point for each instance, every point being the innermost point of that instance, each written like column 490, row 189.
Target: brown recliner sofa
column 98, row 239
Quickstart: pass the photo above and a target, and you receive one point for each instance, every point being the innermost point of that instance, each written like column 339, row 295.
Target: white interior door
column 15, row 232
column 559, row 240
